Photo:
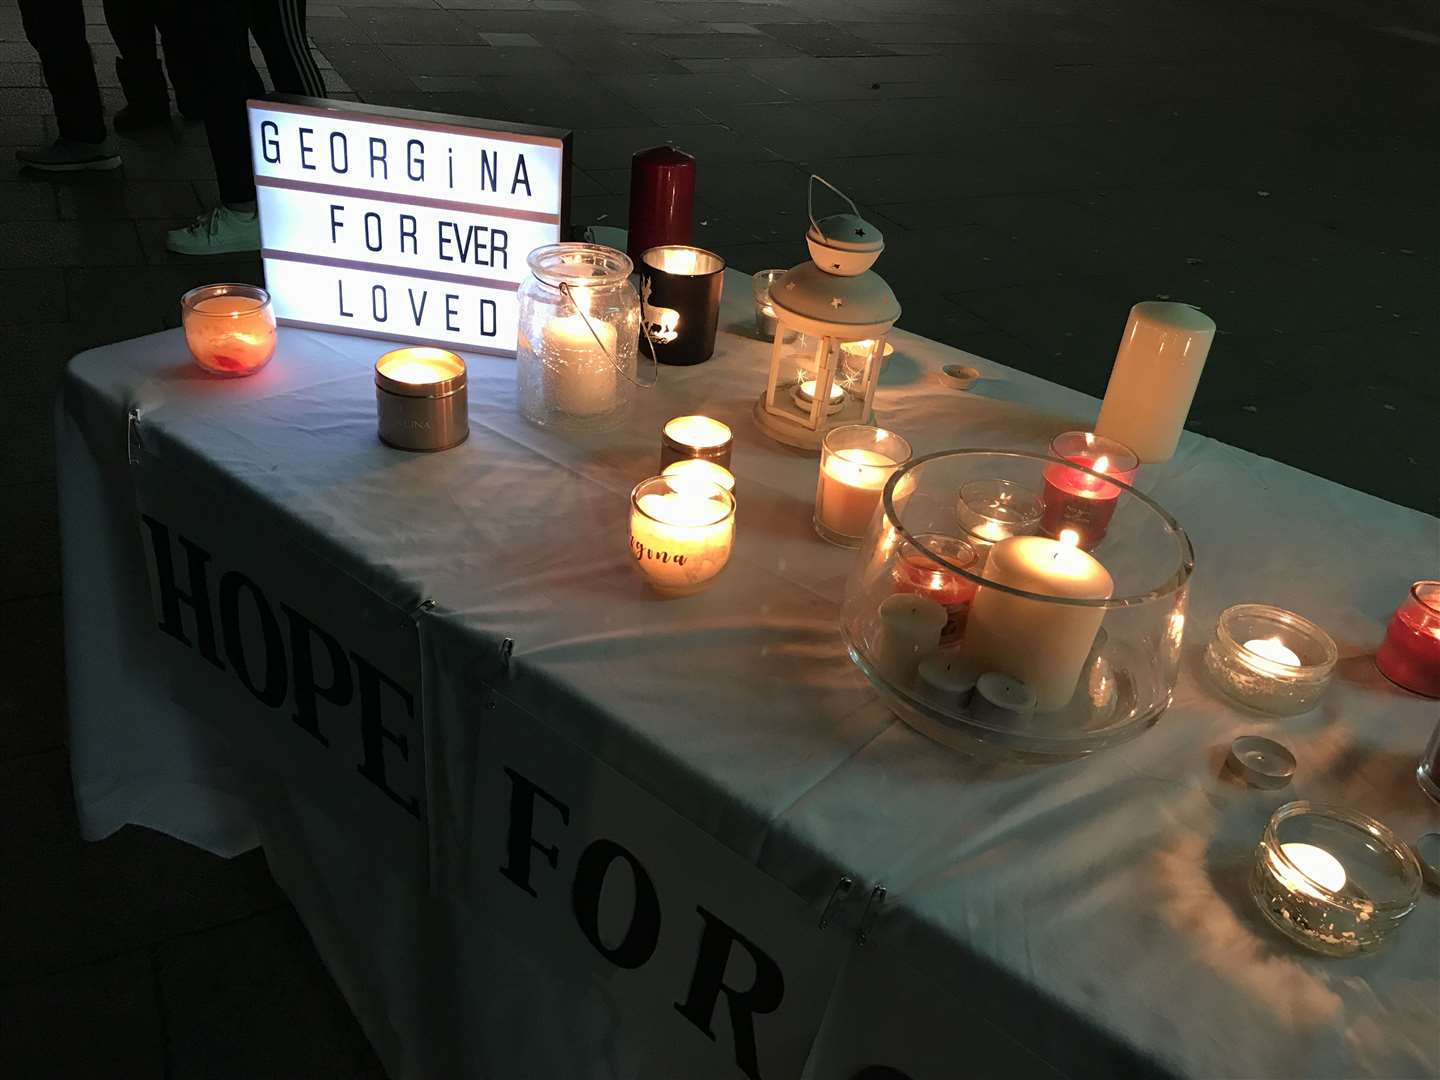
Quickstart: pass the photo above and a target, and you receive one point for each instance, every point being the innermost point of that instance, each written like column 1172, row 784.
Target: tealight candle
column 229, row 329
column 696, row 437
column 421, row 398
column 1410, row 654
column 1043, row 645
column 856, row 462
column 681, row 532
column 578, row 351
column 995, row 510
column 916, row 571
column 1077, row 500
column 700, row 471
column 804, row 395
column 1270, row 659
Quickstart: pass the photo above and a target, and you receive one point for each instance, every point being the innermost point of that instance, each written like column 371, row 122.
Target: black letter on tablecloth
column 268, row 142
column 643, row 933
column 521, row 836
column 273, row 692
column 171, row 595
column 341, row 686
column 374, row 734
column 708, row 983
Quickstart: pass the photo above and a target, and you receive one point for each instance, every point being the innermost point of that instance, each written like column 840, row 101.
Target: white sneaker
column 217, row 232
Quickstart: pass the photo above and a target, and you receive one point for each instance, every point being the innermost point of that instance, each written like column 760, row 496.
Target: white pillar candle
column 1044, row 645
column 909, row 631
column 681, row 535
column 580, row 374
column 850, row 485
column 1153, row 381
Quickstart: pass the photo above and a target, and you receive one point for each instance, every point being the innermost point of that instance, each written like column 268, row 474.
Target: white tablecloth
column 1089, row 918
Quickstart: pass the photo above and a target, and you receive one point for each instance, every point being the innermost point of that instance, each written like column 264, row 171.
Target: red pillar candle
column 916, row 572
column 1076, row 500
column 662, row 199
column 1410, row 654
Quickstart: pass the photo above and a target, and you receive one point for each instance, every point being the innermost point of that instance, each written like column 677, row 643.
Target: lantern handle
column 810, row 201
column 585, row 318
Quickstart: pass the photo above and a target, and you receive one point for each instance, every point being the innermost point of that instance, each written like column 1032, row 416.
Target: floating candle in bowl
column 681, row 532
column 229, row 329
column 1077, row 500
column 1270, row 659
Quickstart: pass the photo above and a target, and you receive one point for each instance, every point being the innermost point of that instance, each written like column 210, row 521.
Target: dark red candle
column 662, row 199
column 1077, row 500
column 1410, row 654
column 917, row 572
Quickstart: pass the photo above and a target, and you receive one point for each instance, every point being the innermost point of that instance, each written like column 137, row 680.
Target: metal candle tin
column 420, row 398
column 695, row 437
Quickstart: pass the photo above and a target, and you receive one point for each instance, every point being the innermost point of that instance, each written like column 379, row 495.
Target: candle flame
column 1315, row 870
column 1069, row 537
column 1101, row 463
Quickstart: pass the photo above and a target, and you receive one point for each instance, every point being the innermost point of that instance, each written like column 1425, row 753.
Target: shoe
column 136, row 118
column 216, row 232
column 67, row 155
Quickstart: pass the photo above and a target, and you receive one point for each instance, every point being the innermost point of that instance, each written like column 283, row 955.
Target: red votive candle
column 1410, row 654
column 662, row 199
column 916, row 572
column 1076, row 500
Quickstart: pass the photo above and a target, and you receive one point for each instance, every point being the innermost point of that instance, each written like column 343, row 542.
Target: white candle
column 1044, row 645
column 850, row 486
column 1274, row 650
column 1318, row 870
column 1153, row 381
column 697, row 432
column 909, row 631
column 680, row 536
column 692, row 474
column 580, row 374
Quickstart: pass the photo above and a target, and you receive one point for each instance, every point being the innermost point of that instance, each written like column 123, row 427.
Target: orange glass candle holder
column 229, row 328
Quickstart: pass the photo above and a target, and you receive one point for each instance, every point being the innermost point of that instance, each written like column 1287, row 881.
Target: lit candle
column 995, row 510
column 1274, row 650
column 805, row 396
column 853, row 354
column 850, row 486
column 230, row 332
column 696, row 437
column 421, row 398
column 680, row 533
column 1270, row 659
column 580, row 372
column 1076, row 500
column 1410, row 654
column 1310, row 870
column 916, row 572
column 909, row 631
column 1044, row 645
column 689, row 473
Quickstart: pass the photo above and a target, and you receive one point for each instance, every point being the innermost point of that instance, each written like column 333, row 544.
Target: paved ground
column 1038, row 165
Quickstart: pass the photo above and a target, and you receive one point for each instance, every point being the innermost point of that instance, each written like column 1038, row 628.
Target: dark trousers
column 133, row 24
column 224, row 26
column 56, row 30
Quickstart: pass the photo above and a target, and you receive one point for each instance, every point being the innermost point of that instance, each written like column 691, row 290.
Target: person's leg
column 279, row 29
column 132, row 25
column 181, row 54
column 56, row 30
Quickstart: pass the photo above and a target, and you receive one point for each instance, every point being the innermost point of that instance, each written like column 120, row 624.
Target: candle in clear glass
column 698, row 470
column 994, row 510
column 919, row 570
column 856, row 461
column 229, row 329
column 765, row 318
column 578, row 351
column 1270, row 659
column 681, row 532
column 1410, row 654
column 1076, row 500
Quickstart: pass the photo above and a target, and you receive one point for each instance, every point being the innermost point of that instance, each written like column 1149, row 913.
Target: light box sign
column 403, row 225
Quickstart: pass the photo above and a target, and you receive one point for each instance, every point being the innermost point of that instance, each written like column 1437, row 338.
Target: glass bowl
column 229, row 328
column 1333, row 879
column 1096, row 635
column 1270, row 659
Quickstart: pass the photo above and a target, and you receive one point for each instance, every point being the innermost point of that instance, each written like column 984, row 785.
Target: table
column 542, row 822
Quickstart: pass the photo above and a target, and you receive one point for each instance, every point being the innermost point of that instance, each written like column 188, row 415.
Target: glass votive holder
column 699, row 470
column 856, row 461
column 927, row 568
column 421, row 398
column 1080, row 501
column 854, row 354
column 1410, row 654
column 229, row 328
column 680, row 289
column 1270, row 659
column 765, row 320
column 681, row 532
column 1428, row 771
column 993, row 510
column 1332, row 879
column 696, row 437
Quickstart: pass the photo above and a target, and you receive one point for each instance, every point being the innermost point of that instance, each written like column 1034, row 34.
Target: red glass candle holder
column 915, row 571
column 1076, row 501
column 1410, row 654
column 662, row 199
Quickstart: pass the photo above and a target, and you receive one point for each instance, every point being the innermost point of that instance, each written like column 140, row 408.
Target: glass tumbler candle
column 1270, row 659
column 579, row 324
column 681, row 532
column 229, row 329
column 855, row 463
column 1410, row 654
column 765, row 311
column 1332, row 879
column 995, row 509
column 1080, row 501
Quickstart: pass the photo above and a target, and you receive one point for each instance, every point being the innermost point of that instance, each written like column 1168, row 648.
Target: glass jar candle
column 575, row 367
column 765, row 322
column 1078, row 500
column 229, row 329
column 1333, row 879
column 1410, row 654
column 995, row 509
column 928, row 568
column 1270, row 659
column 681, row 532
column 855, row 462
column 691, row 469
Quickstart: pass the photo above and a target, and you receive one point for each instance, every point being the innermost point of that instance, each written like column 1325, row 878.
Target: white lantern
column 832, row 315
